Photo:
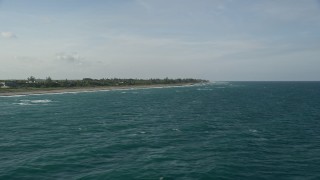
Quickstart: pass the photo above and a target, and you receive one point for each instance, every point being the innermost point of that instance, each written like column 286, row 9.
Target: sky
column 217, row 40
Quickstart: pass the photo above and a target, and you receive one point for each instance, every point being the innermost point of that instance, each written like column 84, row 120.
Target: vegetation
column 32, row 82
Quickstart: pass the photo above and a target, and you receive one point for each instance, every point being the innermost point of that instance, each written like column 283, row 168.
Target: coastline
column 20, row 92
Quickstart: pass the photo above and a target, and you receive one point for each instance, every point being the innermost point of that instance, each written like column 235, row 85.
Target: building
column 3, row 85
column 8, row 84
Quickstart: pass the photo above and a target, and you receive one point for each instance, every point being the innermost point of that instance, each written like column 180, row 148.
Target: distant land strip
column 43, row 86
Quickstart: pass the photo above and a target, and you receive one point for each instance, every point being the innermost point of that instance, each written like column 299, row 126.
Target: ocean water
column 224, row 130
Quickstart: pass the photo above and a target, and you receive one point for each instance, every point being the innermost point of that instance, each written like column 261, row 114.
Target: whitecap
column 253, row 130
column 14, row 96
column 41, row 101
column 37, row 94
column 24, row 100
column 23, row 104
column 204, row 89
column 104, row 90
column 55, row 93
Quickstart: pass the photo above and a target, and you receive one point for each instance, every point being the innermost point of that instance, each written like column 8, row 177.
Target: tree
column 32, row 79
column 65, row 83
column 48, row 82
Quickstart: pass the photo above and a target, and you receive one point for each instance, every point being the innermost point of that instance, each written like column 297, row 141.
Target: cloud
column 47, row 20
column 69, row 57
column 144, row 4
column 289, row 10
column 8, row 35
column 26, row 58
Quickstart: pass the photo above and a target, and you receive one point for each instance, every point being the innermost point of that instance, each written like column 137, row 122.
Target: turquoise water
column 231, row 130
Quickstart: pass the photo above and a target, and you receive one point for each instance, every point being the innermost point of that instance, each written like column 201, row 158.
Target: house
column 3, row 85
column 8, row 84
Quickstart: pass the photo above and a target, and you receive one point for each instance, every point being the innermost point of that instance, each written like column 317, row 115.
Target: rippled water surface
column 231, row 130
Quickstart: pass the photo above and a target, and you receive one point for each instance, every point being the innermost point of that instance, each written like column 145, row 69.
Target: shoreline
column 22, row 92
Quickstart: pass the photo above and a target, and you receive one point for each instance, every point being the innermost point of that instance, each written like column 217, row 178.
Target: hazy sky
column 210, row 39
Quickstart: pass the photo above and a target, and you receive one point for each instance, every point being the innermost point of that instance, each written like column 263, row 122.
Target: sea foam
column 26, row 102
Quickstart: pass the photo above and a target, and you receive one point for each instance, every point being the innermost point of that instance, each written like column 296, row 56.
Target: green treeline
column 32, row 82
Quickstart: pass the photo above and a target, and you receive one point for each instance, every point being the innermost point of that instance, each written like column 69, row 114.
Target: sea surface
column 222, row 130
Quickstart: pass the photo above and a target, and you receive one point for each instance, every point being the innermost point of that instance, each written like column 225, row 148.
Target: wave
column 58, row 93
column 41, row 101
column 25, row 102
column 253, row 130
column 204, row 89
column 103, row 90
column 13, row 96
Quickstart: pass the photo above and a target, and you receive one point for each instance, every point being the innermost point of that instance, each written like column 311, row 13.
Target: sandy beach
column 15, row 92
